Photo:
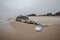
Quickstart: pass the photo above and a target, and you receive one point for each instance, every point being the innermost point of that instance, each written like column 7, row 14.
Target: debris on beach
column 25, row 19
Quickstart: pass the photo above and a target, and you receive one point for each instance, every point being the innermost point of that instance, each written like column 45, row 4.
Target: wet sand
column 24, row 31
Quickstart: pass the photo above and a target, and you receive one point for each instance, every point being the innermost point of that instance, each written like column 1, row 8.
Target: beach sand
column 24, row 31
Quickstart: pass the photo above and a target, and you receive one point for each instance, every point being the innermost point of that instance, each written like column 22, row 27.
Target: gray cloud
column 16, row 7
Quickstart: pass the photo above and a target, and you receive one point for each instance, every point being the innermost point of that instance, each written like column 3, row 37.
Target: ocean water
column 5, row 26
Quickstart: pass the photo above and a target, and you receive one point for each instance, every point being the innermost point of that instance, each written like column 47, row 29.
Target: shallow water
column 5, row 26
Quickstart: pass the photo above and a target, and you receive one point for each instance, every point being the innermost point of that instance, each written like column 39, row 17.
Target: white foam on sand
column 9, row 21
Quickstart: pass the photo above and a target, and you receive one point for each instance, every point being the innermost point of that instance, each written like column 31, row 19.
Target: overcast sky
column 24, row 7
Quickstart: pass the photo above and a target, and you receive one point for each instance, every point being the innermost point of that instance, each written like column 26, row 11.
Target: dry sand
column 24, row 31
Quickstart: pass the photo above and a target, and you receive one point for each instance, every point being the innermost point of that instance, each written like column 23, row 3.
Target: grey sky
column 24, row 7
